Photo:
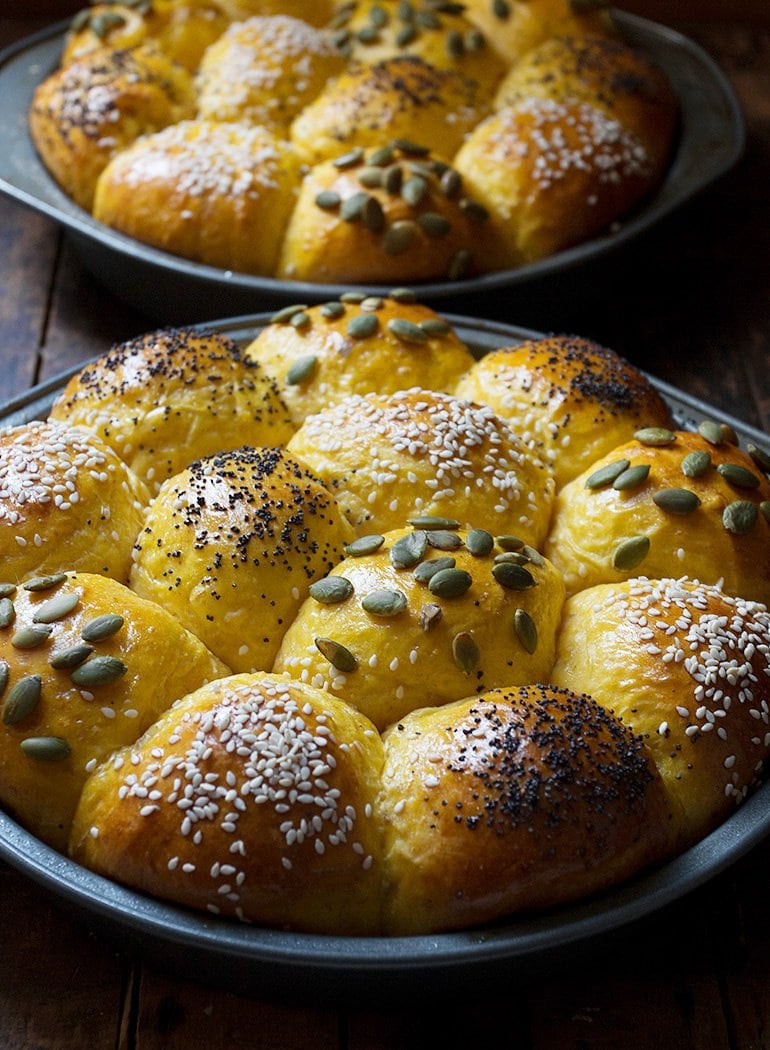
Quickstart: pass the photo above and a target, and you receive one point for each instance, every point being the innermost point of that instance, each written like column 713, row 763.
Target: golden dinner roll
column 397, row 99
column 319, row 355
column 397, row 213
column 231, row 545
column 514, row 800
column 220, row 194
column 251, row 798
column 552, row 174
column 88, row 112
column 316, row 12
column 686, row 666
column 169, row 397
column 432, row 614
column 514, row 27
column 389, row 457
column 86, row 667
column 66, row 499
column 568, row 398
column 666, row 504
column 265, row 70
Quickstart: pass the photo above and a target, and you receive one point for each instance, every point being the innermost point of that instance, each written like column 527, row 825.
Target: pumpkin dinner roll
column 213, row 192
column 397, row 99
column 85, row 667
column 252, row 798
column 422, row 616
column 392, row 213
column 319, row 355
column 316, row 12
column 231, row 545
column 514, row 27
column 686, row 666
column 513, row 800
column 265, row 70
column 88, row 112
column 666, row 504
column 175, row 395
column 415, row 452
column 66, row 499
column 569, row 398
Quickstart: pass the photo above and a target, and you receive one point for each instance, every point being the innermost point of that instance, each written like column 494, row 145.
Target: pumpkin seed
column 630, row 553
column 381, row 157
column 451, row 183
column 364, row 545
column 285, row 315
column 696, row 464
column 102, row 627
column 45, row 583
column 405, row 36
column 655, row 436
column 764, row 508
column 465, row 652
column 427, row 19
column 450, row 583
column 460, row 266
column 473, row 210
column 455, row 45
column 368, row 34
column 399, row 237
column 509, row 543
column 760, row 457
column 429, row 616
column 7, row 612
column 526, row 629
column 517, row 557
column 302, row 369
column 712, row 432
column 372, row 215
column 480, row 543
column 474, row 40
column 429, row 521
column 72, row 656
column 606, row 475
column 384, row 602
column 407, row 331
column 738, row 476
column 426, row 569
column 337, row 655
column 362, row 326
column 300, row 320
column 414, row 190
column 372, row 303
column 7, row 589
column 403, row 295
column 676, row 501
column 513, row 577
column 56, row 608
column 31, row 635
column 631, row 478
column 5, row 672
column 534, row 555
column 371, row 177
column 433, row 224
column 352, row 209
column 22, row 699
column 99, row 670
column 739, row 517
column 352, row 297
column 332, row 310
column 46, row 748
column 392, row 181
column 378, row 16
column 407, row 551
column 444, row 540
column 328, row 200
column 435, row 326
column 411, row 149
column 501, row 9
column 330, row 590
column 350, row 159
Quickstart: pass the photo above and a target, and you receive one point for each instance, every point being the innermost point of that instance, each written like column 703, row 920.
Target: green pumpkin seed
column 606, row 475
column 632, row 478
column 534, row 555
column 427, row 569
column 630, row 553
column 728, row 434
column 433, row 224
column 509, row 543
column 328, row 200
column 480, row 543
column 738, row 476
column 474, row 40
column 460, row 266
column 435, row 326
column 31, row 636
column 102, row 627
column 399, row 237
column 465, row 652
column 332, row 310
column 7, row 612
column 407, row 551
column 406, row 331
column 302, row 370
column 450, row 583
column 364, row 545
column 300, row 320
column 7, row 589
column 696, row 464
column 353, row 297
column 350, row 159
column 739, row 517
column 384, row 602
column 22, row 699
column 444, row 540
column 331, row 589
column 5, row 673
column 46, row 748
column 372, row 215
column 427, row 19
column 501, row 9
column 430, row 521
column 764, row 508
column 337, row 655
column 368, row 35
column 655, row 436
column 760, row 457
column 512, row 576
column 414, row 190
column 285, row 315
column 676, row 501
column 517, row 557
column 352, row 209
column 371, row 177
column 451, row 183
column 405, row 36
column 411, row 149
column 45, row 583
column 429, row 616
column 526, row 630
column 56, row 608
column 381, row 157
column 455, row 45
column 362, row 326
column 712, row 432
column 378, row 16
column 403, row 295
column 73, row 656
column 473, row 210
column 99, row 670
column 372, row 303
column 392, row 181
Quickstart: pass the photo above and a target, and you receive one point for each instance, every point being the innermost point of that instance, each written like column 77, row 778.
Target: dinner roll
column 432, row 614
column 84, row 114
column 253, row 798
column 169, row 397
column 216, row 193
column 265, row 70
column 231, row 545
column 66, row 499
column 514, row 27
column 389, row 457
column 397, row 99
column 666, row 504
column 567, row 397
column 389, row 214
column 316, row 12
column 319, row 355
column 85, row 668
column 686, row 666
column 517, row 799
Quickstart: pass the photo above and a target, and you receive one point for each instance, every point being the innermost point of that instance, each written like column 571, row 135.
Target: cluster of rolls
column 346, row 630
column 367, row 142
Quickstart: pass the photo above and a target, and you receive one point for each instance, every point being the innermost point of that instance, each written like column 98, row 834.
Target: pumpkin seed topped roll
column 391, row 457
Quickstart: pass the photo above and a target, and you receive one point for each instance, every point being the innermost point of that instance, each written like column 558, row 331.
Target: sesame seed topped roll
column 251, row 798
column 514, row 800
column 319, row 355
column 688, row 667
column 390, row 457
column 514, row 27
column 169, row 397
column 667, row 503
column 571, row 399
column 231, row 545
column 85, row 667
column 422, row 616
column 66, row 500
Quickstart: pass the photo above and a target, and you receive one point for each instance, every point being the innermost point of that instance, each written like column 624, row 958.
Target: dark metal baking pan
column 174, row 290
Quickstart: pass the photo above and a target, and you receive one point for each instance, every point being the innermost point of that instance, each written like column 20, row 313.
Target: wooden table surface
column 690, row 302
